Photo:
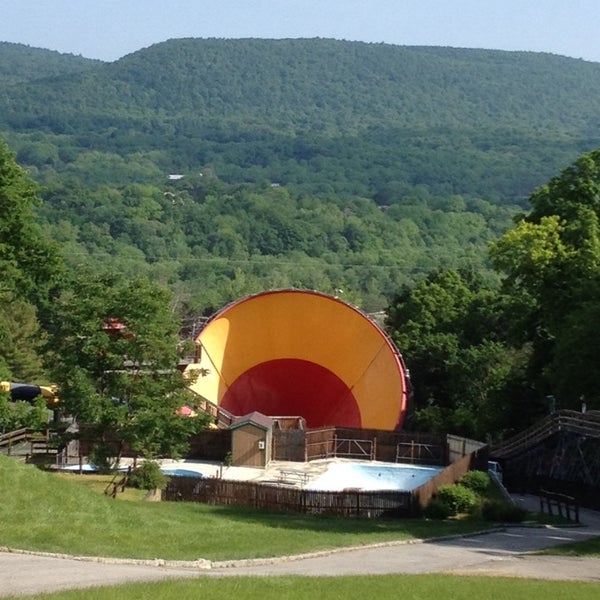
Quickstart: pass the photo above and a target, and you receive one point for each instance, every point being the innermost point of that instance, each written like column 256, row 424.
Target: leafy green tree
column 551, row 264
column 114, row 355
column 29, row 262
column 451, row 331
column 29, row 267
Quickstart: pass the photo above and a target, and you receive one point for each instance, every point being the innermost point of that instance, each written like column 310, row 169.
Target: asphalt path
column 503, row 552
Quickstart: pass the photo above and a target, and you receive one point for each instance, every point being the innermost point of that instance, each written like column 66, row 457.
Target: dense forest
column 382, row 174
column 308, row 163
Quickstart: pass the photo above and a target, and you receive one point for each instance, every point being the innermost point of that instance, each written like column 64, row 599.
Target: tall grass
column 42, row 511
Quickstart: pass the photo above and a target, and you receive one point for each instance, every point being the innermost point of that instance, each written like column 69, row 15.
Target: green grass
column 584, row 548
column 46, row 512
column 407, row 587
column 97, row 483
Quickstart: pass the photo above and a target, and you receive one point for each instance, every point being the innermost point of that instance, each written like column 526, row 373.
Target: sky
column 110, row 29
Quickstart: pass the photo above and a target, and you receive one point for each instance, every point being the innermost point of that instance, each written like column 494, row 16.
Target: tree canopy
column 550, row 262
column 220, row 168
column 114, row 351
column 29, row 266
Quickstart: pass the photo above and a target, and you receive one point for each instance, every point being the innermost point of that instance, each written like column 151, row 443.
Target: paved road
column 500, row 553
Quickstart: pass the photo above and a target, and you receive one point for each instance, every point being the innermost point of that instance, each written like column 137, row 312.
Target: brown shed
column 251, row 440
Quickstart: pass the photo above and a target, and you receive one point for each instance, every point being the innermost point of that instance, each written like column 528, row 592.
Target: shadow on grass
column 409, row 528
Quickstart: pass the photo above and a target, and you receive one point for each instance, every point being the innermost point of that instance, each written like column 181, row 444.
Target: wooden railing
column 587, row 424
column 117, row 483
column 222, row 418
column 565, row 506
column 40, row 441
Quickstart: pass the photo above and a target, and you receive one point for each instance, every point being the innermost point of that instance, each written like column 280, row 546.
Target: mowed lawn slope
column 47, row 512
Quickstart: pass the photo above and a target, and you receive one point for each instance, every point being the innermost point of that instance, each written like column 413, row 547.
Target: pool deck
column 289, row 473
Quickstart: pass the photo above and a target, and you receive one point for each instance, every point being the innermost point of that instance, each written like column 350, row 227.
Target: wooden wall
column 245, row 448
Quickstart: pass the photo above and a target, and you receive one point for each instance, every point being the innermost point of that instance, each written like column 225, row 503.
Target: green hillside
column 308, row 163
column 20, row 64
column 298, row 112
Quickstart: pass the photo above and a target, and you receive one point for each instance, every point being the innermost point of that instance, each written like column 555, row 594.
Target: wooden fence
column 369, row 444
column 38, row 442
column 348, row 503
column 451, row 474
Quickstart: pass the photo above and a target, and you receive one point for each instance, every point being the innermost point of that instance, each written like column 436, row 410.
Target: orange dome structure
column 302, row 353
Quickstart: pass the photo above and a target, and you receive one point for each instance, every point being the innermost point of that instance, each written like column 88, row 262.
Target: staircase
column 222, row 418
column 27, row 442
column 560, row 454
column 571, row 421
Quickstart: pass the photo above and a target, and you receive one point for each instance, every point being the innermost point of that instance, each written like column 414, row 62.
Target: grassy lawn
column 585, row 548
column 407, row 587
column 71, row 514
column 54, row 513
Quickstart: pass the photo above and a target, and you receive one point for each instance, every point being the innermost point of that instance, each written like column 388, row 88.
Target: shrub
column 502, row 512
column 478, row 481
column 148, row 476
column 437, row 509
column 101, row 456
column 460, row 499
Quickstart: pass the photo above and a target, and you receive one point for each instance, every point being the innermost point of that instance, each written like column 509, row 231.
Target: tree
column 550, row 262
column 29, row 262
column 114, row 355
column 451, row 331
column 21, row 340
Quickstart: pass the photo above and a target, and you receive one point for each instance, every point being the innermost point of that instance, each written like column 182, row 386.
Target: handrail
column 115, row 486
column 562, row 502
column 223, row 417
column 565, row 420
column 26, row 434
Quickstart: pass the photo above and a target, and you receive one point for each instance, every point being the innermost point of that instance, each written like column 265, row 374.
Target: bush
column 478, row 481
column 502, row 512
column 148, row 476
column 101, row 456
column 437, row 509
column 460, row 499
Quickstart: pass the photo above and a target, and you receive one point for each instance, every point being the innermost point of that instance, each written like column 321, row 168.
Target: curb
column 202, row 564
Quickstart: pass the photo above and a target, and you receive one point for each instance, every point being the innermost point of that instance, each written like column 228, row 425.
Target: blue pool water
column 373, row 476
column 182, row 473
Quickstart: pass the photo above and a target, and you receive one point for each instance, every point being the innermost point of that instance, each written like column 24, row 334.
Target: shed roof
column 255, row 418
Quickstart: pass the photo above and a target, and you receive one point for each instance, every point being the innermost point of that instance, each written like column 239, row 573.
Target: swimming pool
column 372, row 476
column 183, row 473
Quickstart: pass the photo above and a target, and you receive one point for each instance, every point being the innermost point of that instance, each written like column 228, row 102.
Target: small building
column 251, row 440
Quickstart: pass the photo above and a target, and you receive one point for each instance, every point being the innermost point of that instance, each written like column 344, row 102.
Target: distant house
column 175, row 177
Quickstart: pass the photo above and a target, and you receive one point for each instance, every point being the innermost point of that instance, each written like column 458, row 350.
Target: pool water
column 372, row 476
column 183, row 473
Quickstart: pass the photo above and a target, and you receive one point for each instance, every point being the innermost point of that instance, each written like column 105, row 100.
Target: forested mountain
column 378, row 173
column 350, row 117
column 308, row 163
column 20, row 64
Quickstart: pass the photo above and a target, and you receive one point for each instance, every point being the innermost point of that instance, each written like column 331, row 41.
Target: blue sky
column 109, row 29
